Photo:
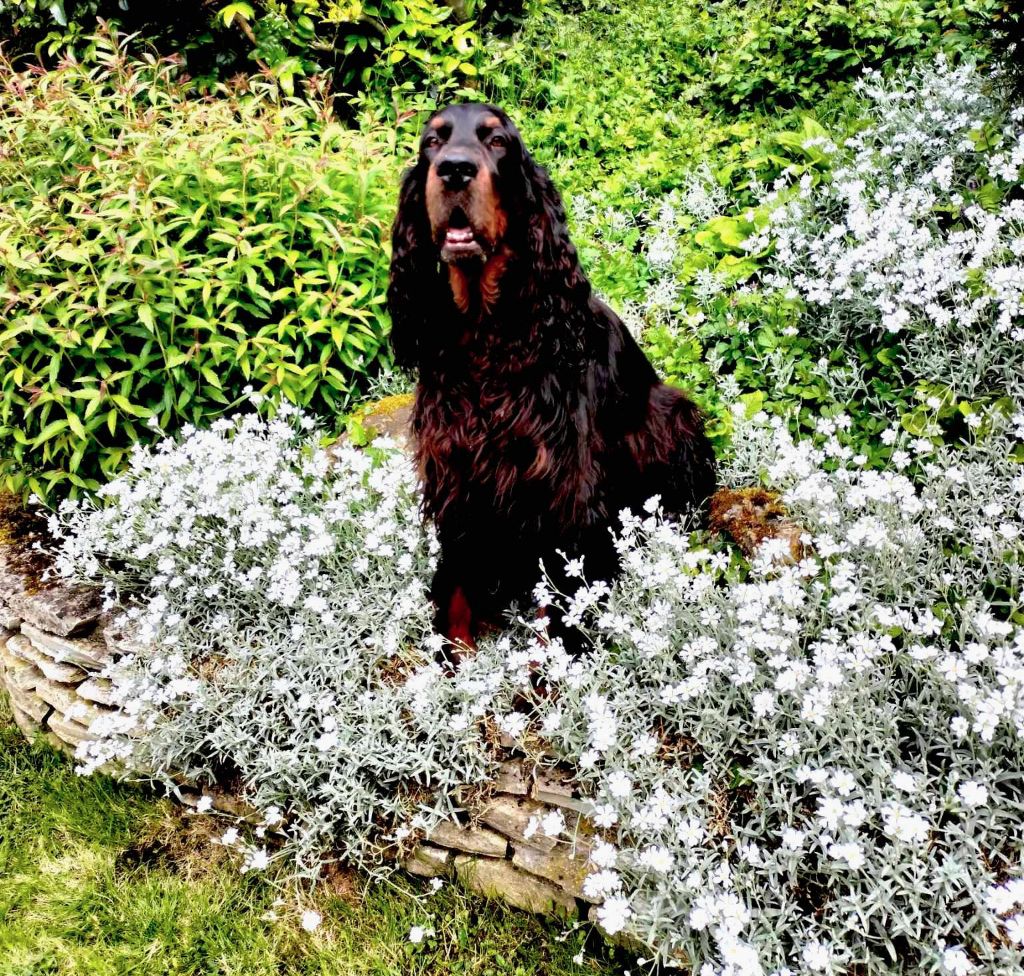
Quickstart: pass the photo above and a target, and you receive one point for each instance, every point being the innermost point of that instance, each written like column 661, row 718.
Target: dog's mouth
column 460, row 242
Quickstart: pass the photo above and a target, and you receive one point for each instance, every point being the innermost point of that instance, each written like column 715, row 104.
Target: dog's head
column 473, row 157
column 473, row 202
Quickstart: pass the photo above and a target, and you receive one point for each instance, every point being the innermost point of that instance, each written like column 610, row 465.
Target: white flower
column 258, row 860
column 204, row 803
column 905, row 782
column 311, row 920
column 418, row 933
column 553, row 823
column 619, row 785
column 817, row 956
column 972, row 794
column 658, row 859
column 604, row 855
column 614, row 914
column 955, row 961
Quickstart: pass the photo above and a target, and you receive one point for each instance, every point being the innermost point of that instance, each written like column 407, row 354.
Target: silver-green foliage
column 276, row 610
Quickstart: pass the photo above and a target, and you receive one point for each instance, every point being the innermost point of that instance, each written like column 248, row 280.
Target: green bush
column 285, row 39
column 791, row 52
column 160, row 253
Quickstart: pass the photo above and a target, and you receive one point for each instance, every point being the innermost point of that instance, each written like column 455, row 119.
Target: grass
column 101, row 878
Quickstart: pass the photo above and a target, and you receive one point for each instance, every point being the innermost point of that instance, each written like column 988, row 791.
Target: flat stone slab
column 70, row 732
column 553, row 781
column 61, row 697
column 9, row 620
column 499, row 879
column 120, row 640
column 469, row 840
column 512, row 778
column 98, row 690
column 56, row 607
column 29, row 703
column 30, row 728
column 87, row 652
column 17, row 672
column 21, row 646
column 511, row 816
column 427, row 861
column 564, row 868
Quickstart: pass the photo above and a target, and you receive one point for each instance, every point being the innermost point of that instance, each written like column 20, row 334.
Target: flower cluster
column 792, row 753
column 277, row 630
column 918, row 233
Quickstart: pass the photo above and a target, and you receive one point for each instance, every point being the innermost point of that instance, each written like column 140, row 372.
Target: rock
column 470, row 840
column 61, row 697
column 235, row 807
column 427, row 861
column 21, row 646
column 88, row 652
column 99, row 690
column 552, row 780
column 499, row 879
column 119, row 640
column 511, row 816
column 30, row 728
column 68, row 731
column 556, row 787
column 56, row 607
column 583, row 807
column 751, row 516
column 512, row 778
column 17, row 672
column 566, row 870
column 60, row 745
column 9, row 620
column 29, row 703
column 391, row 417
column 86, row 713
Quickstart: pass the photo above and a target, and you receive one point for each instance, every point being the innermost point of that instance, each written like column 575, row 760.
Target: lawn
column 101, row 878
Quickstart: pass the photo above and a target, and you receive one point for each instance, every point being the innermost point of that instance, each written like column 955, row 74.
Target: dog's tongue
column 459, row 235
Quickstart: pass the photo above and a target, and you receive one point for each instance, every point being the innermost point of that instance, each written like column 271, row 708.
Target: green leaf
column 233, row 10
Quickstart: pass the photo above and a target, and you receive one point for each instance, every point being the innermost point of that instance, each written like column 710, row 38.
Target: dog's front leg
column 454, row 617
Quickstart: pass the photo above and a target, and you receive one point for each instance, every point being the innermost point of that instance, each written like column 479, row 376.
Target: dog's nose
column 456, row 171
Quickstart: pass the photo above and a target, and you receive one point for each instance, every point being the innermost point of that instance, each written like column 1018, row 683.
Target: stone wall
column 55, row 641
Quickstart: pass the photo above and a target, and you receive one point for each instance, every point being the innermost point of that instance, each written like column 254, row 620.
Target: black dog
column 537, row 417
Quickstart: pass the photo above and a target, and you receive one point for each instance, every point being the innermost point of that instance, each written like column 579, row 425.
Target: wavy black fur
column 538, row 418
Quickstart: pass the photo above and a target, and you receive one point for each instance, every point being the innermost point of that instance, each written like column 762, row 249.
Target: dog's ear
column 555, row 265
column 413, row 270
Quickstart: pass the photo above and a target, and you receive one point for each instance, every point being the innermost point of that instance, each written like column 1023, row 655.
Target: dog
column 537, row 417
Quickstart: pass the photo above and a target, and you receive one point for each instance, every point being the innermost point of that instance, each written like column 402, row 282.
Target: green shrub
column 286, row 39
column 158, row 254
column 775, row 52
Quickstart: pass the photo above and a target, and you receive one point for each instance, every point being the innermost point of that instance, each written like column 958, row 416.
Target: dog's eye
column 498, row 142
column 430, row 141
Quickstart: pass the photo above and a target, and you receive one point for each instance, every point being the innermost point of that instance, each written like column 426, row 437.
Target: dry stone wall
column 55, row 641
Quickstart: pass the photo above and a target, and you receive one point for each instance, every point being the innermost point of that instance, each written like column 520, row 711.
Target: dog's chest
column 480, row 439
